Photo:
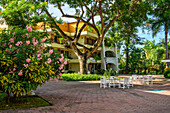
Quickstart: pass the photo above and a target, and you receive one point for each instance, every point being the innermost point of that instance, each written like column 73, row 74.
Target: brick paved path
column 87, row 97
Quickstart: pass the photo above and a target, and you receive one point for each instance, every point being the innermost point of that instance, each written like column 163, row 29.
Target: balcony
column 110, row 60
column 87, row 45
column 109, row 49
column 92, row 60
column 56, row 45
column 73, row 61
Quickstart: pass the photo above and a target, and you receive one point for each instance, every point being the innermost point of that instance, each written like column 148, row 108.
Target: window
column 96, row 67
column 55, row 39
column 67, row 53
column 67, row 67
column 87, row 40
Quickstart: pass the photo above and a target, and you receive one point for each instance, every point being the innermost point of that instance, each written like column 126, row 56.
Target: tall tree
column 161, row 19
column 86, row 11
column 125, row 31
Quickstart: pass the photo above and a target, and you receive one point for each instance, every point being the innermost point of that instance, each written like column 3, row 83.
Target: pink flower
column 20, row 42
column 10, row 46
column 11, row 72
column 13, row 33
column 43, row 47
column 28, row 36
column 62, row 71
column 17, row 44
column 48, row 61
column 11, row 40
column 35, row 43
column 61, row 66
column 25, row 65
column 50, row 51
column 43, row 40
column 61, row 77
column 38, row 55
column 14, row 69
column 29, row 28
column 26, row 53
column 65, row 62
column 60, row 74
column 61, row 59
column 4, row 44
column 28, row 42
column 20, row 73
column 33, row 39
column 28, row 60
column 62, row 56
column 39, row 58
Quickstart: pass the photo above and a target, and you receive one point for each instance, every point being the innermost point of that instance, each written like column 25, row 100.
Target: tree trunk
column 166, row 44
column 127, row 56
column 83, row 63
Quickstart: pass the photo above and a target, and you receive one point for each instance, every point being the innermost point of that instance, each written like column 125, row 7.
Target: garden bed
column 22, row 102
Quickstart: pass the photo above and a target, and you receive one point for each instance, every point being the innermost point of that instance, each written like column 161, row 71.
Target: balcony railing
column 111, row 60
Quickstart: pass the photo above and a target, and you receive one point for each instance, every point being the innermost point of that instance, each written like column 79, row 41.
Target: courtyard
column 87, row 96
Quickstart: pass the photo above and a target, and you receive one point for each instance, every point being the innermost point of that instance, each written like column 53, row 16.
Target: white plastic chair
column 103, row 82
column 148, row 80
column 111, row 81
column 130, row 82
column 123, row 84
column 135, row 78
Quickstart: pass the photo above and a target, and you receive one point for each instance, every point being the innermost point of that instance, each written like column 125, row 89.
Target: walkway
column 87, row 97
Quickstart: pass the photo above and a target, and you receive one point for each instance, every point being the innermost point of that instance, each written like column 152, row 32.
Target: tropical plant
column 161, row 19
column 109, row 72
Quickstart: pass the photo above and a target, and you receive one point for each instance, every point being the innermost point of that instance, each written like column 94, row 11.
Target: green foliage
column 96, row 57
column 110, row 54
column 110, row 72
column 100, row 71
column 167, row 74
column 80, row 77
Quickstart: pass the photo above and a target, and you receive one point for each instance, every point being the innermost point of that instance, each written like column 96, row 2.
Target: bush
column 100, row 71
column 25, row 63
column 167, row 74
column 79, row 77
column 110, row 72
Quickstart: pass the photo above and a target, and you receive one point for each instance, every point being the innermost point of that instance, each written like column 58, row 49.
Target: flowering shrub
column 26, row 62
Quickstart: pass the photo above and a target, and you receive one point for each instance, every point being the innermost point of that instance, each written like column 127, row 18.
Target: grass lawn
column 22, row 102
column 158, row 75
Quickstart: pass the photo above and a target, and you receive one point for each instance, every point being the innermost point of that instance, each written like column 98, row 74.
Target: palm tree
column 161, row 20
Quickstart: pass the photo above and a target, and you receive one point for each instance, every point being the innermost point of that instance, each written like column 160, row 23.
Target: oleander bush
column 79, row 77
column 25, row 62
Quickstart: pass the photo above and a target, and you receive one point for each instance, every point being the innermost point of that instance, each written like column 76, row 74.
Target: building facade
column 104, row 58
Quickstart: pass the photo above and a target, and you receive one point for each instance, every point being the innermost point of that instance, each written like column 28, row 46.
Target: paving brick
column 87, row 97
